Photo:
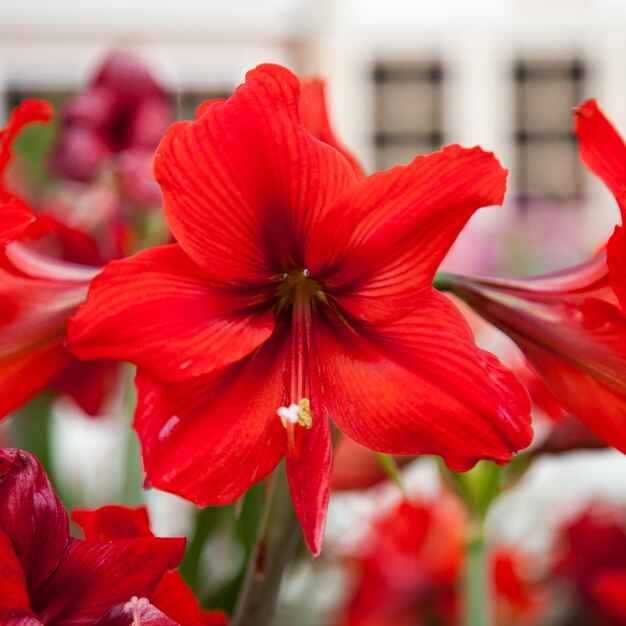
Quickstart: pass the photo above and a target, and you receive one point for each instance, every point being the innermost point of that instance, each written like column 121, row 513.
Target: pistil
column 134, row 607
column 300, row 291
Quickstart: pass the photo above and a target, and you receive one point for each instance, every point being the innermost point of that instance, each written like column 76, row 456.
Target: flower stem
column 276, row 545
column 477, row 590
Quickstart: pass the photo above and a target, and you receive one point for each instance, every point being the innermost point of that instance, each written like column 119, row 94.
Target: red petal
column 11, row 619
column 94, row 575
column 15, row 217
column 91, row 384
column 602, row 149
column 244, row 183
column 210, row 438
column 315, row 118
column 378, row 248
column 591, row 385
column 176, row 600
column 421, row 386
column 31, row 515
column 13, row 593
column 616, row 260
column 157, row 310
column 24, row 374
column 27, row 112
column 309, row 472
column 113, row 522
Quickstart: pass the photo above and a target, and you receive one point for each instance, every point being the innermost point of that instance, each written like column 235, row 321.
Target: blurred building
column 405, row 76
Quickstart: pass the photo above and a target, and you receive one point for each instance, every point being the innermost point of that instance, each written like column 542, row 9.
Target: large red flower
column 51, row 578
column 297, row 292
column 571, row 324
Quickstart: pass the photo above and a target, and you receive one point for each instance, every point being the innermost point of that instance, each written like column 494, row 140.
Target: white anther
column 306, row 273
column 289, row 413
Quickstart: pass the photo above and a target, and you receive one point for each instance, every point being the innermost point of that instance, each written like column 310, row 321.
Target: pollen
column 296, row 414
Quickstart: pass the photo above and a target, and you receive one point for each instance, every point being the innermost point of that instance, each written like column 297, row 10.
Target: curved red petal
column 27, row 112
column 113, row 522
column 309, row 474
column 31, row 515
column 157, row 310
column 378, row 248
column 616, row 261
column 315, row 119
column 243, row 184
column 421, row 386
column 93, row 576
column 592, row 385
column 602, row 149
column 18, row 619
column 210, row 438
column 176, row 600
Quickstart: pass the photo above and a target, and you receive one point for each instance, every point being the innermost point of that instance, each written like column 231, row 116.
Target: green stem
column 276, row 545
column 477, row 588
column 442, row 281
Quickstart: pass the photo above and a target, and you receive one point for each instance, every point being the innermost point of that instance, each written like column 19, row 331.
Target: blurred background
column 404, row 77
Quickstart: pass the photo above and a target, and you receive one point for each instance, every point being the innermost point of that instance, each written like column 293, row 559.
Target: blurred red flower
column 38, row 294
column 296, row 292
column 122, row 116
column 51, row 578
column 591, row 558
column 411, row 566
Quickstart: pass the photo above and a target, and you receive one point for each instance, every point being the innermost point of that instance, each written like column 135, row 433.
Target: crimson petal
column 31, row 515
column 157, row 310
column 423, row 387
column 94, row 575
column 13, row 592
column 379, row 246
column 616, row 261
column 149, row 615
column 243, row 184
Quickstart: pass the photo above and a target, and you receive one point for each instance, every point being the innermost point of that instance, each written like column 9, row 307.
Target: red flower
column 172, row 596
column 592, row 560
column 571, row 324
column 411, row 565
column 296, row 292
column 123, row 114
column 38, row 294
column 15, row 214
column 51, row 578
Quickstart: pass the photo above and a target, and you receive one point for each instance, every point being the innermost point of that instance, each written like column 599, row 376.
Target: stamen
column 135, row 607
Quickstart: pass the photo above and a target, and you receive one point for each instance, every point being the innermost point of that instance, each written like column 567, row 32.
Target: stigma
column 291, row 415
column 135, row 607
column 296, row 414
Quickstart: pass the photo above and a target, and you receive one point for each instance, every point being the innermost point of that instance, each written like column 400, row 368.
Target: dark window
column 547, row 164
column 186, row 102
column 408, row 110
